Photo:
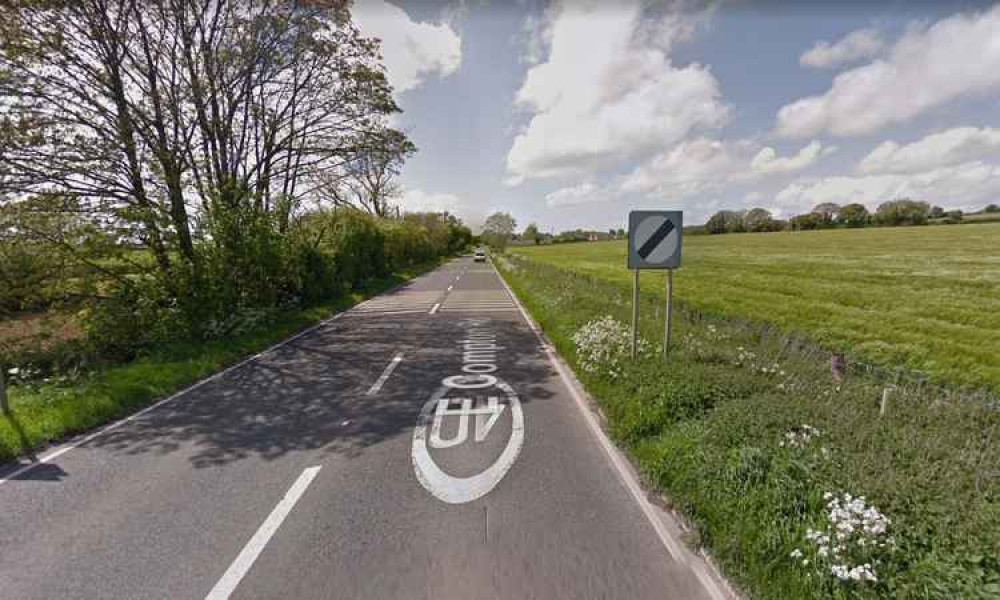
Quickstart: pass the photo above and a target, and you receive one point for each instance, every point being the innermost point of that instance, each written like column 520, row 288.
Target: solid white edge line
column 76, row 443
column 385, row 374
column 435, row 309
column 236, row 571
column 619, row 462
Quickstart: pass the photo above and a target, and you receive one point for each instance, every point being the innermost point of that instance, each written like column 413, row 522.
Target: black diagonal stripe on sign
column 654, row 240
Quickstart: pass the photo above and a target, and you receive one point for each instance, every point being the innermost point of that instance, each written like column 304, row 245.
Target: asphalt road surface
column 425, row 444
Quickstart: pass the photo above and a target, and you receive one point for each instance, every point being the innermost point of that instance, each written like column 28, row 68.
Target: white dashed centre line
column 385, row 374
column 435, row 309
column 255, row 546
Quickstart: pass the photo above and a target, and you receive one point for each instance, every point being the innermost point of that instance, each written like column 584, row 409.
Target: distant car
column 480, row 256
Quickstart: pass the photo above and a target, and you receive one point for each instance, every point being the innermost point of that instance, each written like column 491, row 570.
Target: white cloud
column 411, row 50
column 416, row 200
column 571, row 196
column 950, row 147
column 705, row 165
column 927, row 67
column 608, row 91
column 966, row 186
column 691, row 167
column 767, row 160
column 862, row 43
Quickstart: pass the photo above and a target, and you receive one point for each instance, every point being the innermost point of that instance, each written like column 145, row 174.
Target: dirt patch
column 39, row 330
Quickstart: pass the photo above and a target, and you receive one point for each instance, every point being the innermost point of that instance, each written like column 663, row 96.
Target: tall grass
column 710, row 427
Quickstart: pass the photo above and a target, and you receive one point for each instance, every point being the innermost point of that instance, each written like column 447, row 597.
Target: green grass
column 924, row 298
column 42, row 414
column 706, row 429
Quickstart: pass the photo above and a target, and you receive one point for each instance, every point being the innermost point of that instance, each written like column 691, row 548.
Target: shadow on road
column 311, row 394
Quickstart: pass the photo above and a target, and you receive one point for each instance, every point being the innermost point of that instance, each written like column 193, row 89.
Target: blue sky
column 569, row 114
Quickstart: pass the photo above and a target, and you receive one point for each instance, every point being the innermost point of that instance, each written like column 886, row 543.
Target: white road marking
column 232, row 577
column 459, row 490
column 67, row 447
column 450, row 287
column 435, row 309
column 385, row 374
column 619, row 463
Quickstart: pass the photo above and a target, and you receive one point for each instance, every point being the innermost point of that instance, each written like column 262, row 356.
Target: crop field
column 926, row 299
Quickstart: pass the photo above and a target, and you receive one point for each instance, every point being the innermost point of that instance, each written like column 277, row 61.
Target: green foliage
column 726, row 221
column 26, row 276
column 902, row 212
column 810, row 221
column 854, row 215
column 760, row 220
column 531, row 233
column 248, row 269
column 498, row 229
column 710, row 429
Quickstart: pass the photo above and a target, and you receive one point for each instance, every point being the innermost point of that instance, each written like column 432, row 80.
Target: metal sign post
column 669, row 313
column 654, row 242
column 635, row 311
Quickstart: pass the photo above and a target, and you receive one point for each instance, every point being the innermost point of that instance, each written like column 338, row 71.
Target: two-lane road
column 423, row 445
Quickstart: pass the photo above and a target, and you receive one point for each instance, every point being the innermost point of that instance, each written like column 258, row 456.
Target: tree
column 807, row 222
column 991, row 208
column 903, row 211
column 531, row 233
column 716, row 224
column 936, row 212
column 367, row 180
column 726, row 221
column 498, row 229
column 854, row 215
column 758, row 219
column 827, row 209
column 169, row 117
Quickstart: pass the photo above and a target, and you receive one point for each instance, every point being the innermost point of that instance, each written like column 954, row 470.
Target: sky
column 571, row 113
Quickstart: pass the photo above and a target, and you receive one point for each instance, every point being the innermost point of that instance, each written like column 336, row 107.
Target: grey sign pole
column 667, row 326
column 635, row 311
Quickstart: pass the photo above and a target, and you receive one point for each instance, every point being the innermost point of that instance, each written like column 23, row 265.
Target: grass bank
column 925, row 298
column 47, row 412
column 798, row 484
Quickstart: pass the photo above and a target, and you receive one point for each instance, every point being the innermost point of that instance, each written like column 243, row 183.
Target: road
column 426, row 444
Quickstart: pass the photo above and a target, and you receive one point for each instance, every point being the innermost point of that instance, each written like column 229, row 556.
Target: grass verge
column 42, row 414
column 750, row 436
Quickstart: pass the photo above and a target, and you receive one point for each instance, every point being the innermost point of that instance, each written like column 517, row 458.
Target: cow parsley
column 852, row 542
column 603, row 345
column 799, row 437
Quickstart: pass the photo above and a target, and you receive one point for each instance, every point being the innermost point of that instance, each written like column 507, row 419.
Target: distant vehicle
column 480, row 256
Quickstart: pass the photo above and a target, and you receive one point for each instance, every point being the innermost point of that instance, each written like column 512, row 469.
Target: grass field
column 923, row 298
